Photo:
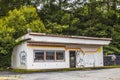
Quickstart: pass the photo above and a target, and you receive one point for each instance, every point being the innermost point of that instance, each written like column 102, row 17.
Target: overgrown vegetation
column 98, row 18
column 65, row 69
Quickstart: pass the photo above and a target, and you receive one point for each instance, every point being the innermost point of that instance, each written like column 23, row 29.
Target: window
column 59, row 55
column 39, row 55
column 50, row 55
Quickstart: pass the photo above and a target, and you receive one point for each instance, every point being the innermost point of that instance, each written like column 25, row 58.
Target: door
column 72, row 59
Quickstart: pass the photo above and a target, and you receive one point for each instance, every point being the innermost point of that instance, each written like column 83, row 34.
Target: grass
column 63, row 69
column 3, row 69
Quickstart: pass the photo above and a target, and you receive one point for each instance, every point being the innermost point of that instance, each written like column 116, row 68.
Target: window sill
column 50, row 61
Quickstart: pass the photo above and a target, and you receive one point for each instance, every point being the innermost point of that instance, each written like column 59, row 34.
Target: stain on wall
column 23, row 56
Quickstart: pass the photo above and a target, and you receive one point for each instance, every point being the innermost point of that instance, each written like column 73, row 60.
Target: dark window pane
column 59, row 55
column 50, row 55
column 39, row 55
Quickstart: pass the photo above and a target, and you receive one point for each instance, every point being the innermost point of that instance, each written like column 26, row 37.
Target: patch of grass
column 46, row 70
column 3, row 69
column 63, row 69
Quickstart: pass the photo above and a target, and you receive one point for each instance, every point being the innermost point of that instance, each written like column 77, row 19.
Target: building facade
column 46, row 51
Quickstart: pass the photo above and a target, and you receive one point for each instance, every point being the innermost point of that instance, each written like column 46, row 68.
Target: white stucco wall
column 99, row 58
column 46, row 64
column 16, row 61
column 89, row 56
column 90, row 59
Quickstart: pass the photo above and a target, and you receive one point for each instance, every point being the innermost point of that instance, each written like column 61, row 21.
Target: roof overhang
column 64, row 39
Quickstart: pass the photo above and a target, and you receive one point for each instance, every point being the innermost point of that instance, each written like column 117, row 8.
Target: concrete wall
column 46, row 64
column 19, row 56
column 92, row 57
column 86, row 56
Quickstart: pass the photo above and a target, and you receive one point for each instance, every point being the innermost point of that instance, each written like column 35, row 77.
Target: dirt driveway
column 102, row 74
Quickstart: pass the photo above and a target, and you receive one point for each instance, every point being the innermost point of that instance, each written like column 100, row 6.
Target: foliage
column 99, row 18
column 64, row 69
column 6, row 5
column 15, row 25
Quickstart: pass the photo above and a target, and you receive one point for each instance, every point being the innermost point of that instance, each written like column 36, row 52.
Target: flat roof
column 69, row 36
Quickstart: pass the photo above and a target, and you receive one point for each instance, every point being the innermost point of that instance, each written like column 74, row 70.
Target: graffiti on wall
column 79, row 59
column 23, row 56
column 84, row 60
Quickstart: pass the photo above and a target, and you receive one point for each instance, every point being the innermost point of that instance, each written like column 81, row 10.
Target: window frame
column 45, row 55
column 63, row 55
column 50, row 53
column 34, row 56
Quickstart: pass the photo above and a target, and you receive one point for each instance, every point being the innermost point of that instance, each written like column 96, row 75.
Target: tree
column 15, row 25
column 23, row 18
column 6, row 5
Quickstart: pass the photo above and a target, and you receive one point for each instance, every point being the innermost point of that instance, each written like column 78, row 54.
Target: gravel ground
column 102, row 74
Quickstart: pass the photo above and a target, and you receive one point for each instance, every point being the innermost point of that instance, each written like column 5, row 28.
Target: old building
column 46, row 51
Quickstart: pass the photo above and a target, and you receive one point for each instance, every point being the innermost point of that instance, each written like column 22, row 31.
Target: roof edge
column 69, row 36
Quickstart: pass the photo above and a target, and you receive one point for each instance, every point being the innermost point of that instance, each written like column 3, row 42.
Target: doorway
column 72, row 59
